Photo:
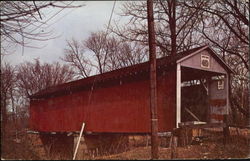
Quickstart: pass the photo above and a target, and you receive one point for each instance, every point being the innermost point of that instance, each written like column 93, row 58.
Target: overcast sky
column 77, row 23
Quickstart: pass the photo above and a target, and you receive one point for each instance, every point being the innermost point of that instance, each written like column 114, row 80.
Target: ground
column 209, row 149
column 212, row 147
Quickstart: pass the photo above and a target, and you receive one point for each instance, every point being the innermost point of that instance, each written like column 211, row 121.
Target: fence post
column 226, row 131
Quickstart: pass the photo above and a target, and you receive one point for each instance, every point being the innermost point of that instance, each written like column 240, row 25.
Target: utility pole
column 153, row 91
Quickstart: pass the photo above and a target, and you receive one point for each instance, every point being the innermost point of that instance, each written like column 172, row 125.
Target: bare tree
column 33, row 77
column 103, row 52
column 96, row 43
column 225, row 25
column 74, row 54
column 24, row 20
column 128, row 54
column 174, row 25
column 7, row 84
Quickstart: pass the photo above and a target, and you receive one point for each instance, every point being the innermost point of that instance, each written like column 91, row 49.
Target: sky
column 70, row 23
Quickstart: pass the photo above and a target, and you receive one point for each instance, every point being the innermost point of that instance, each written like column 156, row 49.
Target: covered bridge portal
column 193, row 85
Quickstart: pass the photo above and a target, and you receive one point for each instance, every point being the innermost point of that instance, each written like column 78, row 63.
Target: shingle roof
column 164, row 61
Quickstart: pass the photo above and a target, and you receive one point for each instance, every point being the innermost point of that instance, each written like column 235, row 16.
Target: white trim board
column 178, row 95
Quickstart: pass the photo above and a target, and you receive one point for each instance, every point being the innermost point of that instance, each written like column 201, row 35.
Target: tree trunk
column 172, row 24
column 3, row 117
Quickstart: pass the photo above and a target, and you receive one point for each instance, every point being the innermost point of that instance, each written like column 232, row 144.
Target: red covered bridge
column 118, row 101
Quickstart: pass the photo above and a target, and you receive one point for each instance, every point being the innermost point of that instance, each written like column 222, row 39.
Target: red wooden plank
column 114, row 108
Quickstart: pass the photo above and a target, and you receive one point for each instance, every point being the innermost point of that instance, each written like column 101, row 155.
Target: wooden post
column 153, row 91
column 208, row 100
column 173, row 146
column 226, row 131
column 147, row 140
column 79, row 139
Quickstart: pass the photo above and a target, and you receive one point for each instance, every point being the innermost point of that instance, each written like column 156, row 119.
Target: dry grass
column 212, row 147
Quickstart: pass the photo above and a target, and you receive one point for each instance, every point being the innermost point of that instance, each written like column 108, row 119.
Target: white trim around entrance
column 178, row 94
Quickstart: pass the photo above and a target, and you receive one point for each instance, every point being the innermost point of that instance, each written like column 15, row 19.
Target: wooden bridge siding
column 118, row 108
